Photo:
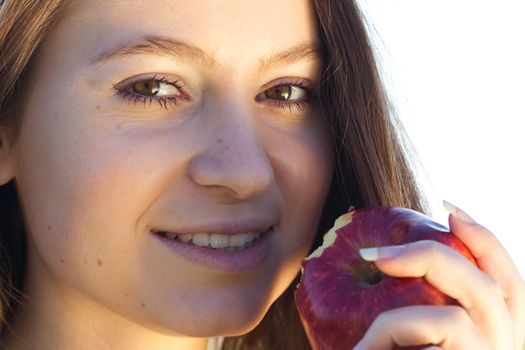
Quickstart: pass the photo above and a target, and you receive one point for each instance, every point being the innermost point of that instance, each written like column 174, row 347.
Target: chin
column 236, row 324
column 208, row 321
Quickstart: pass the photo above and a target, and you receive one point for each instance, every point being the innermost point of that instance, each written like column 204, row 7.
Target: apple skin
column 340, row 294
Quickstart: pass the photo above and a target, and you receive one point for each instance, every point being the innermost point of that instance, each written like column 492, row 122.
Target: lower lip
column 240, row 261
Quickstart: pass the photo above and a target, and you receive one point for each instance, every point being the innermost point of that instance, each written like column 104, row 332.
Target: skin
column 95, row 173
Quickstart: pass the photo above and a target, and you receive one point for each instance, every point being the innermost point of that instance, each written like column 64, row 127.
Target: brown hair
column 23, row 26
column 373, row 163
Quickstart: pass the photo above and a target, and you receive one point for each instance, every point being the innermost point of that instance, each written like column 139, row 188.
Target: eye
column 287, row 92
column 148, row 90
column 293, row 95
column 154, row 88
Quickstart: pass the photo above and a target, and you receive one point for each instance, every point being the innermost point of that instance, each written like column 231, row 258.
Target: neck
column 56, row 317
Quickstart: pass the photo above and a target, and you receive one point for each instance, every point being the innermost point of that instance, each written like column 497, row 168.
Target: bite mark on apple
column 331, row 235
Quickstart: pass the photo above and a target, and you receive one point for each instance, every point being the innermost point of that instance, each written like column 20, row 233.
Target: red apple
column 340, row 294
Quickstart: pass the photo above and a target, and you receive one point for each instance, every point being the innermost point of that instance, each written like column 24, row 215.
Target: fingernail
column 458, row 213
column 359, row 346
column 375, row 253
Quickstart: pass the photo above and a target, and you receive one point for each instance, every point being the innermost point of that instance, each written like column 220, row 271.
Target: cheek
column 304, row 173
column 83, row 193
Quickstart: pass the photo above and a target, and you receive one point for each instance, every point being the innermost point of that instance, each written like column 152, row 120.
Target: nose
column 233, row 164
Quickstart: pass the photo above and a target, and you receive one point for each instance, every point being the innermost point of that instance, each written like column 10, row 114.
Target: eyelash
column 165, row 101
column 299, row 105
column 126, row 93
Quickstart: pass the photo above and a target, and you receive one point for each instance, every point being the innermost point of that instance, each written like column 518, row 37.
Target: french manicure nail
column 458, row 213
column 375, row 253
column 359, row 346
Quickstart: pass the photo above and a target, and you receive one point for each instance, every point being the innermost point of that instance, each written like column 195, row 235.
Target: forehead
column 229, row 29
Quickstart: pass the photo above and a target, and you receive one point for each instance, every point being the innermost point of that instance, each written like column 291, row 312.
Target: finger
column 477, row 292
column 447, row 327
column 494, row 260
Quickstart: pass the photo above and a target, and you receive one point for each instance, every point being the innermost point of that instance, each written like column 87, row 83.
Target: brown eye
column 287, row 92
column 158, row 89
column 155, row 87
column 280, row 92
column 150, row 87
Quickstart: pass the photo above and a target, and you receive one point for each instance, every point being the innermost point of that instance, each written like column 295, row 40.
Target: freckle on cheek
column 99, row 262
column 49, row 227
column 143, row 305
column 61, row 261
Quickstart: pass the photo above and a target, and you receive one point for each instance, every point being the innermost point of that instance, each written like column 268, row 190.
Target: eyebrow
column 187, row 53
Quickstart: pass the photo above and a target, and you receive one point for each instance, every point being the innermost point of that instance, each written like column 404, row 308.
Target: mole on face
column 99, row 262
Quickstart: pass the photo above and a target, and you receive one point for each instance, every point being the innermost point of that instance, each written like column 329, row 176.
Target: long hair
column 374, row 163
column 23, row 26
column 374, row 160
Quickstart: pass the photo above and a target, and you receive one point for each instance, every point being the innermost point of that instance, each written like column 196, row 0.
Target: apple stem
column 374, row 274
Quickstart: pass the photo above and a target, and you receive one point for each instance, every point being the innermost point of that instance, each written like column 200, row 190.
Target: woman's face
column 205, row 125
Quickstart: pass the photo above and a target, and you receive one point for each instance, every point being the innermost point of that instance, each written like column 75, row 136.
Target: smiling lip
column 225, row 228
column 231, row 262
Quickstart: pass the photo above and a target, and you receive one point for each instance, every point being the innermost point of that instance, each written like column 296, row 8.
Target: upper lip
column 223, row 227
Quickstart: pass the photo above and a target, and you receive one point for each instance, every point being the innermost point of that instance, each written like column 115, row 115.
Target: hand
column 491, row 315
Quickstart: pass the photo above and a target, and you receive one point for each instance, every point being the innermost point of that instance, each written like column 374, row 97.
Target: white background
column 456, row 70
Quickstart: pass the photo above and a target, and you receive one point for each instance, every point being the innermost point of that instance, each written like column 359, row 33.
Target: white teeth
column 171, row 235
column 201, row 239
column 185, row 238
column 238, row 240
column 218, row 240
